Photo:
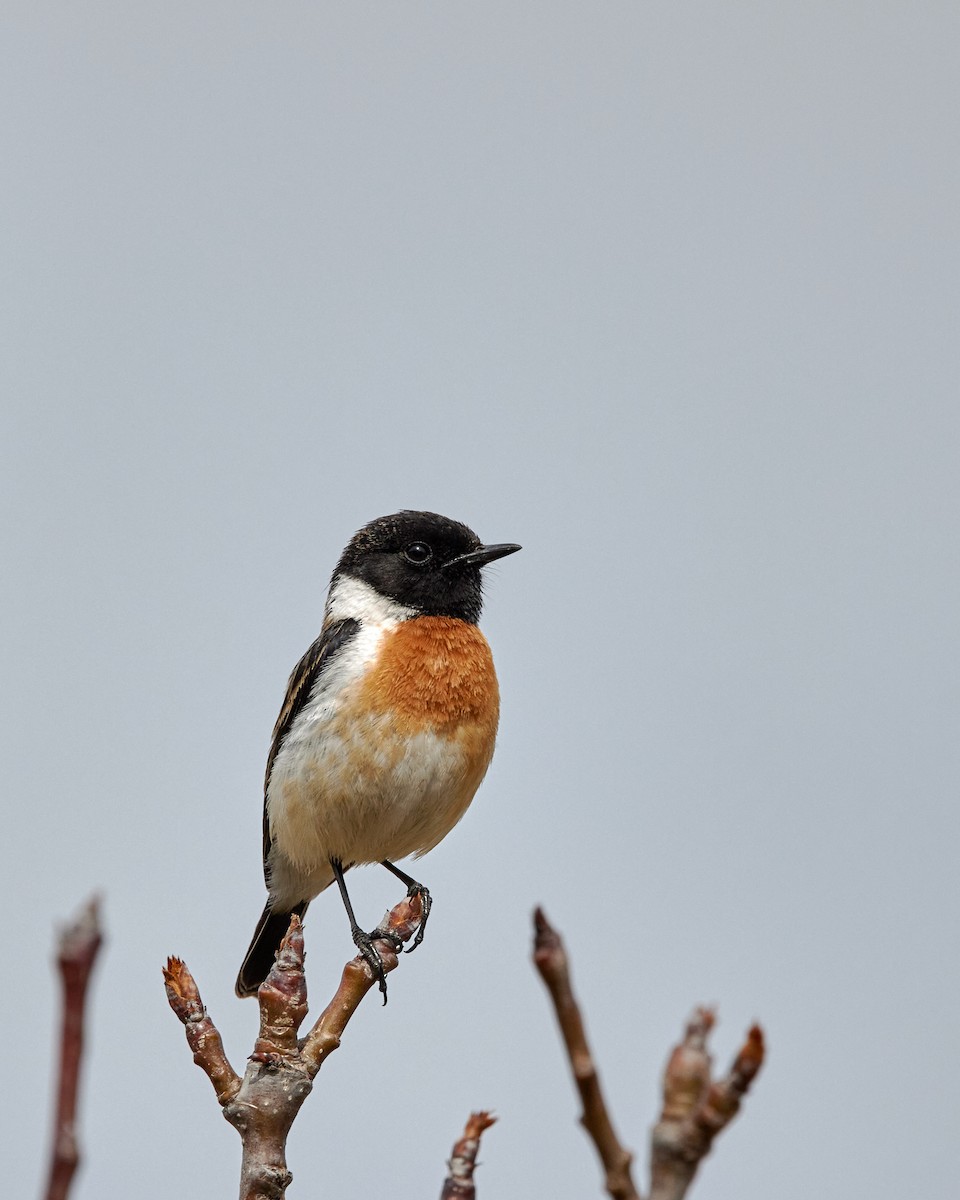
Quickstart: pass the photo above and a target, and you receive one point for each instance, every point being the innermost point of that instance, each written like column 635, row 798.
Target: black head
column 424, row 561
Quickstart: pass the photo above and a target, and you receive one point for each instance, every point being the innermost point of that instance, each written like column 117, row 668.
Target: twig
column 203, row 1037
column 695, row 1109
column 77, row 949
column 263, row 1104
column 550, row 959
column 357, row 979
column 459, row 1183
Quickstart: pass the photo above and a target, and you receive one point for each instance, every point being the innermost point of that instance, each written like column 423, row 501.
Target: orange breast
column 435, row 673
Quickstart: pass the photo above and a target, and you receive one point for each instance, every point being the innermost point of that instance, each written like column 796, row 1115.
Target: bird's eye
column 418, row 553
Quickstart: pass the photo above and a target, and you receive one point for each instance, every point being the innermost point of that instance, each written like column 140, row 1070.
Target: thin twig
column 459, row 1184
column 357, row 979
column 550, row 959
column 77, row 950
column 203, row 1037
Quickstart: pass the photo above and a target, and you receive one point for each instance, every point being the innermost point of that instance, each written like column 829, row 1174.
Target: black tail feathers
column 269, row 933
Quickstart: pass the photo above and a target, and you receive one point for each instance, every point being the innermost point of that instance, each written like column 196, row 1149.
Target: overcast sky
column 666, row 292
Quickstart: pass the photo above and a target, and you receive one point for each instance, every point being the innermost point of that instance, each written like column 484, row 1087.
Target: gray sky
column 669, row 294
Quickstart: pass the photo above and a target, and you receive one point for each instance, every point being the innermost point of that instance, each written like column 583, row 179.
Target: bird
column 387, row 727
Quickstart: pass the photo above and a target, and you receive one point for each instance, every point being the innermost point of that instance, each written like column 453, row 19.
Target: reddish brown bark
column 550, row 959
column 263, row 1105
column 695, row 1107
column 77, row 950
column 459, row 1184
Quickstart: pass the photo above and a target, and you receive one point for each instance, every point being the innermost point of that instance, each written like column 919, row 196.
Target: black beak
column 480, row 558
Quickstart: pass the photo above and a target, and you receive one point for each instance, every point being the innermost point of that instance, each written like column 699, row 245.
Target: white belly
column 356, row 792
column 352, row 782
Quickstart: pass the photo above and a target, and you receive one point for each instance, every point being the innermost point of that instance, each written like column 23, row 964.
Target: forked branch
column 695, row 1107
column 263, row 1104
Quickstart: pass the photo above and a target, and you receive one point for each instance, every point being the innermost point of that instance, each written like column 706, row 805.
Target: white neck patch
column 352, row 599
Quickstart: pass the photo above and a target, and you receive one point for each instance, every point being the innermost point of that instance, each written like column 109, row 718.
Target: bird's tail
column 267, row 937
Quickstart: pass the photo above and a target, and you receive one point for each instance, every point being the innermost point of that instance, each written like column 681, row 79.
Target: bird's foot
column 369, row 952
column 414, row 888
column 426, row 903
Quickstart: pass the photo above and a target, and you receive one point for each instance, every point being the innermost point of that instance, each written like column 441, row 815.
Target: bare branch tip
column 478, row 1122
column 89, row 915
column 174, row 970
column 79, row 940
column 183, row 995
column 290, row 956
column 540, row 922
column 699, row 1026
column 751, row 1056
column 545, row 937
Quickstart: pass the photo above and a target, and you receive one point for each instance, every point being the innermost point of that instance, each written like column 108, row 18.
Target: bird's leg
column 413, row 889
column 364, row 941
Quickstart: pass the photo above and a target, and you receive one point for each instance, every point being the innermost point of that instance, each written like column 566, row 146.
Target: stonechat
column 387, row 728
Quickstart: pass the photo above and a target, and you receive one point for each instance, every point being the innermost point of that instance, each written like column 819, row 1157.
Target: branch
column 203, row 1037
column 695, row 1109
column 263, row 1105
column 550, row 959
column 77, row 949
column 357, row 979
column 459, row 1183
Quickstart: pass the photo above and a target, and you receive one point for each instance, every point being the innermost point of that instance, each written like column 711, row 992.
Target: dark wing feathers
column 305, row 674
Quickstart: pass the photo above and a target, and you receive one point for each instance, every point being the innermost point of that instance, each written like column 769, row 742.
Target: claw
column 371, row 955
column 426, row 903
column 414, row 888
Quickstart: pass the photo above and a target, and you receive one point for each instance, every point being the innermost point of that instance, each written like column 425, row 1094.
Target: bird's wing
column 305, row 674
